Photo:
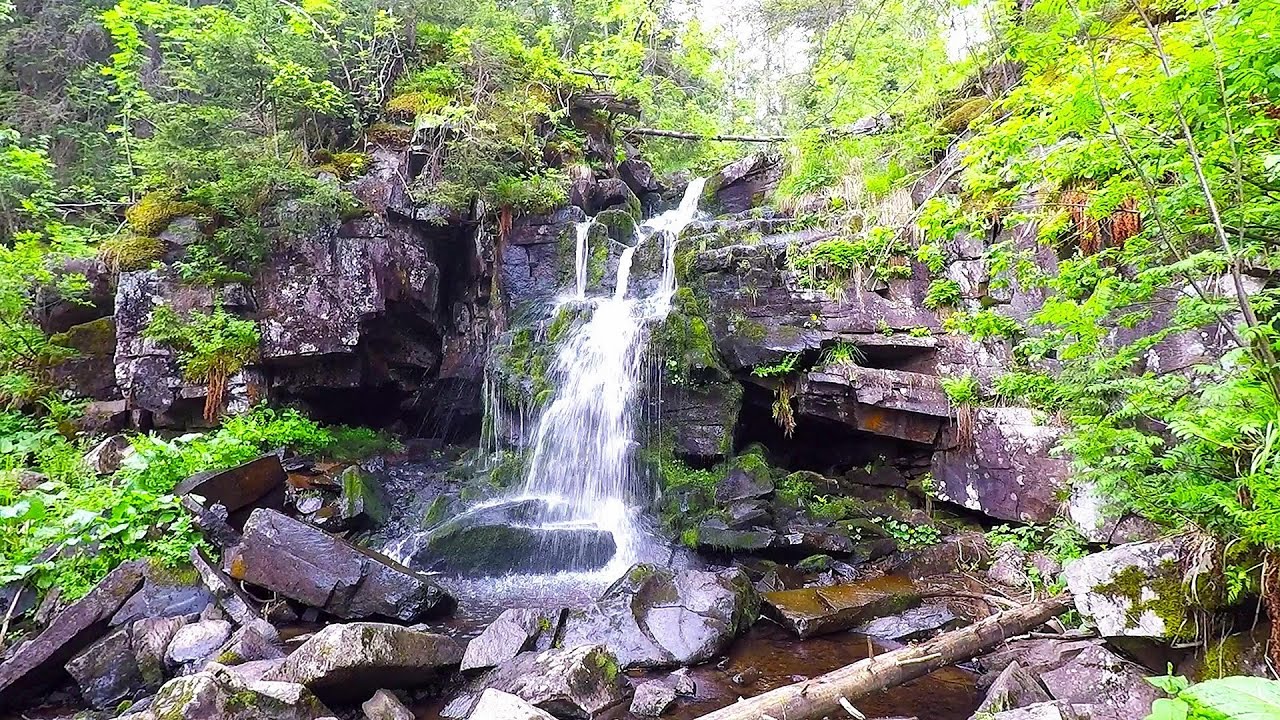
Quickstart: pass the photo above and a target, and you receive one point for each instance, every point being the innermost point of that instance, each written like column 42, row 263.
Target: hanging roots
column 505, row 219
column 964, row 426
column 1087, row 229
column 782, row 413
column 1126, row 222
column 1271, row 599
column 215, row 394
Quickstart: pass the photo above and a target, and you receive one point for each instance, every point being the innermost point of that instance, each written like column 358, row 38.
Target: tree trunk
column 823, row 695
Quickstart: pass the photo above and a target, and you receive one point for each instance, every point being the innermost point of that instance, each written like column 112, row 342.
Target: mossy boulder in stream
column 1134, row 590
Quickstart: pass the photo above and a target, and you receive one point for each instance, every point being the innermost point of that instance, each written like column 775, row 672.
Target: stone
column 533, row 261
column 639, row 176
column 683, row 683
column 385, row 706
column 744, row 514
column 613, row 193
column 743, row 484
column 1035, row 655
column 501, row 549
column 107, row 671
column 1100, row 523
column 498, row 705
column 957, row 552
column 312, row 567
column 149, row 639
column 1009, row 472
column 913, row 624
column 107, row 456
column 164, row 595
column 361, row 502
column 1243, row 653
column 1053, row 710
column 652, row 698
column 217, row 692
column 239, row 487
column 656, row 616
column 817, row 611
column 701, row 417
column 342, row 662
column 1009, row 567
column 578, row 682
column 197, row 642
column 257, row 640
column 33, row 667
column 233, row 600
column 743, row 184
column 715, row 535
column 802, row 540
column 1133, row 590
column 513, row 632
column 255, row 670
column 1013, row 688
column 1115, row 688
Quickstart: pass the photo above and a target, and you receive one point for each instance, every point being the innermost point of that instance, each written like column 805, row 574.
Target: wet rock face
column 702, row 418
column 513, row 632
column 744, row 184
column 579, row 682
column 314, row 568
column 107, row 672
column 817, row 611
column 1133, row 590
column 537, row 256
column 39, row 663
column 346, row 662
column 656, row 616
column 1007, row 472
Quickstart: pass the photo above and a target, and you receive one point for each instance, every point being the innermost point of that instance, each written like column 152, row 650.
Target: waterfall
column 582, row 458
column 583, row 229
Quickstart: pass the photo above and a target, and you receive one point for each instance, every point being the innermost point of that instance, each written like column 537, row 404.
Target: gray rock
column 107, row 671
column 741, row 484
column 150, row 638
column 498, row 705
column 715, row 535
column 229, row 596
column 955, row 552
column 257, row 640
column 220, row 693
column 255, row 670
column 912, row 624
column 1008, row 472
column 385, row 706
column 163, row 597
column 245, row 486
column 312, row 567
column 342, row 662
column 31, row 668
column 655, row 616
column 1054, row 710
column 1114, row 687
column 1009, row 566
column 1126, row 590
column 579, row 682
column 513, row 632
column 106, row 457
column 683, row 683
column 1014, row 688
column 743, row 184
column 197, row 642
column 653, row 698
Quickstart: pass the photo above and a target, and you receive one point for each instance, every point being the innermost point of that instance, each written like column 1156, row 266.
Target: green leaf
column 1166, row 709
column 1238, row 698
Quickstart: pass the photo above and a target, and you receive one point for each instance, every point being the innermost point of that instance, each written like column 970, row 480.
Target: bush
column 126, row 253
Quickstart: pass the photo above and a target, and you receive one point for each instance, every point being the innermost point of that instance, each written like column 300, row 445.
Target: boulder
column 240, row 487
column 107, row 456
column 578, row 682
column 312, row 567
column 163, row 595
column 257, row 640
column 701, row 417
column 220, row 693
column 197, row 642
column 1009, row 566
column 150, row 638
column 1013, row 688
column 744, row 483
column 229, row 596
column 914, row 624
column 1115, row 688
column 537, row 255
column 361, row 502
column 957, row 552
column 31, row 668
column 800, row 540
column 1242, row 653
column 1053, row 710
column 107, row 672
column 503, row 549
column 655, row 616
column 817, row 611
column 743, row 184
column 386, row 706
column 653, row 698
column 513, row 632
column 1008, row 472
column 639, row 176
column 715, row 535
column 344, row 662
column 1133, row 590
column 495, row 705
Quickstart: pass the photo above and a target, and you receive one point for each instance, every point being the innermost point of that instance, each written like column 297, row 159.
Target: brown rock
column 816, row 611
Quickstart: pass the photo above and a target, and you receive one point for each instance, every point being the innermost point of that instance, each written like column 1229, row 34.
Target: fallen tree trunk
column 653, row 132
column 828, row 694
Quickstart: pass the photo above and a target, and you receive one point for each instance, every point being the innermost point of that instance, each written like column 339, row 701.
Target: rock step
column 817, row 611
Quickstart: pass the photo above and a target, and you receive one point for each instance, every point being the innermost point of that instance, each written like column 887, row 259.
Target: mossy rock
column 96, row 338
column 389, row 134
column 960, row 118
column 126, row 253
column 155, row 211
column 620, row 224
column 344, row 165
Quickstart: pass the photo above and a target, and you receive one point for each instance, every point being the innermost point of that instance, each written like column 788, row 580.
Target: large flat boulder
column 243, row 486
column 107, row 672
column 1007, row 471
column 655, row 616
column 513, row 632
column 1112, row 687
column 498, row 704
column 343, row 663
column 39, row 664
column 1133, row 590
column 578, row 682
column 312, row 567
column 817, row 611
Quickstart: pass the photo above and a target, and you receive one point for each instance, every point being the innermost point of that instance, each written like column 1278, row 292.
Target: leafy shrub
column 943, row 292
column 1229, row 698
column 211, row 347
column 962, row 390
column 983, row 325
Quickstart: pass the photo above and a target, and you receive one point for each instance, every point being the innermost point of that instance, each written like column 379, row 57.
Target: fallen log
column 831, row 694
column 654, row 132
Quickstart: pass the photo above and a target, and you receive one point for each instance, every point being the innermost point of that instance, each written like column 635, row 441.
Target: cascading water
column 582, row 460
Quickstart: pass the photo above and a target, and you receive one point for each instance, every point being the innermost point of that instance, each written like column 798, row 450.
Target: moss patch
column 126, row 253
column 620, row 224
column 155, row 211
column 1161, row 593
column 960, row 118
column 96, row 338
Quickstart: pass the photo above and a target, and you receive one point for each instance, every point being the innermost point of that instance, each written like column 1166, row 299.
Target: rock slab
column 580, row 682
column 1132, row 590
column 816, row 611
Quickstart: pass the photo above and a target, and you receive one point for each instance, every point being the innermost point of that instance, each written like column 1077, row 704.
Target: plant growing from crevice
column 211, row 347
column 964, row 394
column 783, row 413
column 843, row 354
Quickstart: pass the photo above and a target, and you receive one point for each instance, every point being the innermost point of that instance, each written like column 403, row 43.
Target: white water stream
column 582, row 458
